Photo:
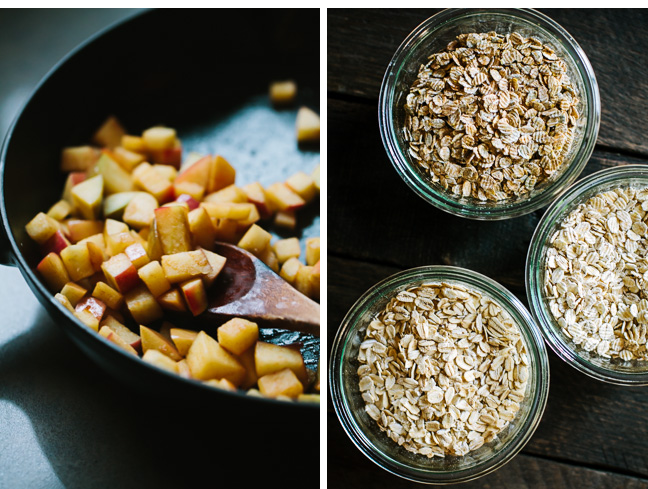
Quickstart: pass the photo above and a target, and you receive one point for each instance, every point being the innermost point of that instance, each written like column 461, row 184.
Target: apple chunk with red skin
column 208, row 360
column 283, row 198
column 173, row 229
column 93, row 305
column 113, row 337
column 53, row 271
column 185, row 265
column 42, row 227
column 56, row 243
column 152, row 340
column 195, row 295
column 257, row 196
column 120, row 273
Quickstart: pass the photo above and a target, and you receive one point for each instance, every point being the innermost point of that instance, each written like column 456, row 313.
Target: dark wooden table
column 592, row 434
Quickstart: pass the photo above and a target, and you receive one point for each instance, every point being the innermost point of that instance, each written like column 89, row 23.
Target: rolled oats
column 492, row 116
column 596, row 275
column 446, row 377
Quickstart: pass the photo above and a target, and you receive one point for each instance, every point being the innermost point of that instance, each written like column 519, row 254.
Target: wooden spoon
column 248, row 288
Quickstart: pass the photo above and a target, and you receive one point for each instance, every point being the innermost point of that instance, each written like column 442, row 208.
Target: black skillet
column 205, row 73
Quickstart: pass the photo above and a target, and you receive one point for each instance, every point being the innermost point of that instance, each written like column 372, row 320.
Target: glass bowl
column 432, row 36
column 365, row 433
column 613, row 371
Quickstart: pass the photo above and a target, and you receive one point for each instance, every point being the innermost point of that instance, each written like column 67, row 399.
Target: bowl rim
column 437, row 274
column 509, row 209
column 565, row 203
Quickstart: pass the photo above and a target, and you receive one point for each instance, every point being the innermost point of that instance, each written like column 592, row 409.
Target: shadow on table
column 95, row 432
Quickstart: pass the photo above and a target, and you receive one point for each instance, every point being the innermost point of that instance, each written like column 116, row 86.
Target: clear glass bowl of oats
column 489, row 113
column 439, row 375
column 587, row 275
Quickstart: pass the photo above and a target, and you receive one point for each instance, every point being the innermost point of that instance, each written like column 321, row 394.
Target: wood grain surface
column 592, row 434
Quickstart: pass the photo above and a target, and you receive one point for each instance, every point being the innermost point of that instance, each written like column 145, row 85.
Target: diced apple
column 159, row 137
column 168, row 156
column 110, row 133
column 228, row 210
column 183, row 339
column 315, row 175
column 93, row 305
column 116, row 179
column 270, row 358
column 185, row 265
column 173, row 229
column 120, row 273
column 312, row 251
column 269, row 257
column 201, row 227
column 217, row 262
column 195, row 295
column 287, row 248
column 221, row 175
column 74, row 292
column 183, row 369
column 153, row 243
column 172, row 300
column 140, row 210
column 127, row 159
column 307, row 281
column 79, row 158
column 133, row 143
column 283, row 93
column 283, row 197
column 56, row 243
column 231, row 193
column 112, row 226
column 152, row 181
column 237, row 335
column 130, row 337
column 307, row 125
column 87, row 197
column 87, row 318
column 255, row 240
column 247, row 360
column 303, row 185
column 289, row 270
column 142, row 306
column 96, row 252
column 79, row 229
column 167, row 171
column 77, row 261
column 189, row 200
column 191, row 189
column 113, row 337
column 152, row 274
column 109, row 296
column 137, row 255
column 115, row 204
column 281, row 383
column 153, row 340
column 286, row 219
column 42, row 227
column 208, row 360
column 221, row 384
column 196, row 173
column 60, row 210
column 65, row 301
column 226, row 230
column 118, row 242
column 257, row 196
column 160, row 360
column 72, row 179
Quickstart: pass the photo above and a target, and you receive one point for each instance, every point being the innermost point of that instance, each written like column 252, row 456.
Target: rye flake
column 443, row 370
column 491, row 116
